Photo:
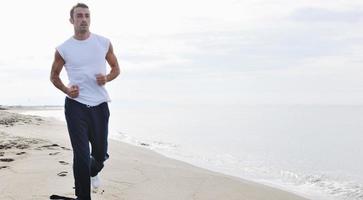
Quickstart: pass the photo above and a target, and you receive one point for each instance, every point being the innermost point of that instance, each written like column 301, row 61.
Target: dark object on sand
column 53, row 196
column 63, row 173
column 2, row 108
column 6, row 159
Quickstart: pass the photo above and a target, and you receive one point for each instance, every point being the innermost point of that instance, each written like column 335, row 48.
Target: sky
column 197, row 52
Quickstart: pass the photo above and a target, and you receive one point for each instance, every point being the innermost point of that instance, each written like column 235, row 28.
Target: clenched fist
column 101, row 79
column 73, row 91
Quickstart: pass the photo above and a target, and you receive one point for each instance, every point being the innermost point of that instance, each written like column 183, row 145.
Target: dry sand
column 36, row 162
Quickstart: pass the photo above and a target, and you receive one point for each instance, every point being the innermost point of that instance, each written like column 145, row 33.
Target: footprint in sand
column 21, row 153
column 97, row 191
column 63, row 162
column 65, row 148
column 54, row 153
column 63, row 173
column 52, row 147
column 4, row 167
column 6, row 160
column 54, row 196
column 2, row 154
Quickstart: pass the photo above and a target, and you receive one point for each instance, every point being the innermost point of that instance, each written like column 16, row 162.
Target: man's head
column 80, row 18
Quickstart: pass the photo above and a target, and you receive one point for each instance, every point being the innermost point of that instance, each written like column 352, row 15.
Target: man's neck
column 82, row 36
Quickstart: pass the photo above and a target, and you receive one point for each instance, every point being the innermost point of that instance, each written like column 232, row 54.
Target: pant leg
column 98, row 137
column 78, row 127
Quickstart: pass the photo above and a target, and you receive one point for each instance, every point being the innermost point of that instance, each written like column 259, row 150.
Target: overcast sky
column 195, row 51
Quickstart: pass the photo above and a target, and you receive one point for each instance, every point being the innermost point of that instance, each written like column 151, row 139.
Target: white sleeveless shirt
column 83, row 60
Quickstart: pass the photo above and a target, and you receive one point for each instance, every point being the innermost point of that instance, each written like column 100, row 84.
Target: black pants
column 87, row 125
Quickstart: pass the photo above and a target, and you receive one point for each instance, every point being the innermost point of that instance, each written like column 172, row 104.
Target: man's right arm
column 57, row 67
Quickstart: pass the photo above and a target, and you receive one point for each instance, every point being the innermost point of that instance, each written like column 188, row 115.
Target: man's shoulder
column 100, row 37
column 103, row 41
column 65, row 42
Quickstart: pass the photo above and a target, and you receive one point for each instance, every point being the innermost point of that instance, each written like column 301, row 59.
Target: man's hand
column 73, row 91
column 101, row 79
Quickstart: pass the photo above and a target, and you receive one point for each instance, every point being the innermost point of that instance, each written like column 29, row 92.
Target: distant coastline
column 20, row 107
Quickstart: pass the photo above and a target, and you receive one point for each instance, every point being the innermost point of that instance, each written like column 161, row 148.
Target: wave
column 313, row 186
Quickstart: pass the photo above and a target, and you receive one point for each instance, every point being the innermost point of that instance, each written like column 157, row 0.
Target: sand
column 36, row 162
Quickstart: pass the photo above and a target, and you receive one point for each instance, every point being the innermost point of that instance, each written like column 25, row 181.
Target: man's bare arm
column 57, row 67
column 112, row 61
column 115, row 69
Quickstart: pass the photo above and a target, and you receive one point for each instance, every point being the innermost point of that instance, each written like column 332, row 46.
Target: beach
column 36, row 162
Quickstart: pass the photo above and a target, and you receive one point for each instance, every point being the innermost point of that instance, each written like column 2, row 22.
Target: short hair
column 78, row 5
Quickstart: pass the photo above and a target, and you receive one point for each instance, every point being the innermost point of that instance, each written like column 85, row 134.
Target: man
column 84, row 57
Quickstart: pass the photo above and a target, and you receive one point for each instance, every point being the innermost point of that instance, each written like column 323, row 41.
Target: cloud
column 192, row 54
column 312, row 15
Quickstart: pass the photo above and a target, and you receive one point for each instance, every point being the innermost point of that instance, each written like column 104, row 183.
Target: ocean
column 315, row 151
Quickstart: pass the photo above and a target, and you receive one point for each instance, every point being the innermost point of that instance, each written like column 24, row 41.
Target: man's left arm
column 115, row 69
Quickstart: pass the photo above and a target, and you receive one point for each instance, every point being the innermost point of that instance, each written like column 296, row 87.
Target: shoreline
column 131, row 173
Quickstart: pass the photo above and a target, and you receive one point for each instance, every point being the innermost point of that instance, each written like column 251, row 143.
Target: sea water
column 313, row 150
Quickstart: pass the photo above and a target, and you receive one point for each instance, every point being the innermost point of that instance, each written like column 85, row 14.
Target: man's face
column 81, row 19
